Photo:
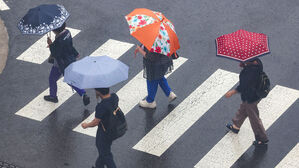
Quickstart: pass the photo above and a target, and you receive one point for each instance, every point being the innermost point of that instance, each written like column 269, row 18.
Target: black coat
column 249, row 80
column 156, row 66
column 63, row 51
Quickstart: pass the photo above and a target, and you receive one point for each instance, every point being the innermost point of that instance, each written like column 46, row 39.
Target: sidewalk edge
column 4, row 39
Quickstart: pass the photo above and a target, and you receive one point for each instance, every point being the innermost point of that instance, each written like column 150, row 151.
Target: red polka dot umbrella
column 242, row 45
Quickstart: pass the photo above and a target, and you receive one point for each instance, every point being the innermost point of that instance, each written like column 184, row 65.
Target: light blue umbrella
column 95, row 72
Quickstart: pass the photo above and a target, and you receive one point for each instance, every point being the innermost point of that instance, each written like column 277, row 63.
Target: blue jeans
column 55, row 74
column 152, row 87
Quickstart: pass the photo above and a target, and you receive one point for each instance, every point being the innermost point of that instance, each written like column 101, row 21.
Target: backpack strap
column 114, row 113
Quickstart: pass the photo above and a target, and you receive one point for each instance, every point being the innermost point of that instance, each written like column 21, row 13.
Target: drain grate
column 7, row 165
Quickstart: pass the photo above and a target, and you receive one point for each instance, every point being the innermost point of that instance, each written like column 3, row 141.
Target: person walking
column 62, row 53
column 103, row 142
column 155, row 66
column 249, row 80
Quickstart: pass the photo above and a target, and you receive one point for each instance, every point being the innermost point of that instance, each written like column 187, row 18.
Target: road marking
column 228, row 150
column 164, row 134
column 291, row 160
column 3, row 6
column 38, row 52
column 113, row 49
column 38, row 109
column 129, row 96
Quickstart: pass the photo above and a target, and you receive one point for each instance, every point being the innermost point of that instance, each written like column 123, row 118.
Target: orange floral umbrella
column 153, row 30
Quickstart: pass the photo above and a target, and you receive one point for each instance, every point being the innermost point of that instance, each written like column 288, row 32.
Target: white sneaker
column 145, row 104
column 171, row 97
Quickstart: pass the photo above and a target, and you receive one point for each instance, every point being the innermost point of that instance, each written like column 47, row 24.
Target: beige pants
column 251, row 111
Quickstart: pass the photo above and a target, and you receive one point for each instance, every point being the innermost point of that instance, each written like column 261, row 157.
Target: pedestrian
column 103, row 142
column 155, row 66
column 249, row 80
column 62, row 53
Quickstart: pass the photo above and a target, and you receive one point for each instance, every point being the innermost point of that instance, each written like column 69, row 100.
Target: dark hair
column 60, row 29
column 250, row 62
column 103, row 91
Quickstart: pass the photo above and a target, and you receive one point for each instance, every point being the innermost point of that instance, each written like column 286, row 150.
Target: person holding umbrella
column 46, row 18
column 106, row 72
column 156, row 66
column 103, row 143
column 64, row 54
column 246, row 46
column 159, row 44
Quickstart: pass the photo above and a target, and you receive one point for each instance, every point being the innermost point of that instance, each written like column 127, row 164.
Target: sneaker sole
column 147, row 107
column 172, row 100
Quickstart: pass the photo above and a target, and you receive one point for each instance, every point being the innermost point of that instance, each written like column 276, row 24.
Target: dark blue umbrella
column 43, row 19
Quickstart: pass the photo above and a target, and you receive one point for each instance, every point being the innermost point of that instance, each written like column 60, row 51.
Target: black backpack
column 263, row 87
column 117, row 126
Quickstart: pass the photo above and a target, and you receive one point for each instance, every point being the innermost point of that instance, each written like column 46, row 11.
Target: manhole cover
column 7, row 165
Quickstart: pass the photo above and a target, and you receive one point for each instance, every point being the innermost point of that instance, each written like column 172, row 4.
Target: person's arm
column 93, row 123
column 139, row 50
column 231, row 93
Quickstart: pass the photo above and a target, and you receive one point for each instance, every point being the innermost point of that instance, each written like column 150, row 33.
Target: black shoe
column 86, row 100
column 260, row 143
column 51, row 99
column 230, row 126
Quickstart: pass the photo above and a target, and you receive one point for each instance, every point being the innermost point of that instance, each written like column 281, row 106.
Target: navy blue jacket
column 63, row 51
column 249, row 80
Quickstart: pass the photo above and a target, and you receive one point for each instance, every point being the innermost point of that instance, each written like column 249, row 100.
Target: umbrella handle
column 49, row 35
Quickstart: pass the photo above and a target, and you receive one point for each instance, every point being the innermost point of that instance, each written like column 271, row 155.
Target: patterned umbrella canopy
column 153, row 30
column 43, row 19
column 242, row 45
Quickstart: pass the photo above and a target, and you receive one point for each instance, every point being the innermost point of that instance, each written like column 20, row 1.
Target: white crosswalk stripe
column 227, row 151
column 291, row 160
column 38, row 52
column 38, row 109
column 129, row 96
column 3, row 6
column 112, row 48
column 163, row 135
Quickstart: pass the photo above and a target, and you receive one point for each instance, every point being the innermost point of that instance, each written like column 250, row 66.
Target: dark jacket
column 156, row 66
column 249, row 79
column 63, row 51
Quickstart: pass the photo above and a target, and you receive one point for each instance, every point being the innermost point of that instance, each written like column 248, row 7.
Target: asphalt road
column 51, row 143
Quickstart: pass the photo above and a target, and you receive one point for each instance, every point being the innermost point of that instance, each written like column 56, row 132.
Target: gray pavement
column 3, row 45
column 52, row 143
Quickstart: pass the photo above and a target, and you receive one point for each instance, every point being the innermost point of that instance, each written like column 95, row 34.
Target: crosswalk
column 3, row 6
column 227, row 151
column 160, row 138
column 291, row 160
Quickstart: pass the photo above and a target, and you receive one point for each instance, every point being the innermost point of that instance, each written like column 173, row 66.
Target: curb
column 3, row 45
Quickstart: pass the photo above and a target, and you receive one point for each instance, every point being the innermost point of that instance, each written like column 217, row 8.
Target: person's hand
column 78, row 57
column 230, row 93
column 137, row 50
column 49, row 41
column 84, row 125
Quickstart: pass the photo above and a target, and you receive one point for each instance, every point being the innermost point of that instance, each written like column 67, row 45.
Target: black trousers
column 103, row 144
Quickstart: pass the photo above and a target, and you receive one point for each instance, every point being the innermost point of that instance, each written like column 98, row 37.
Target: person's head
column 60, row 29
column 101, row 92
column 250, row 62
